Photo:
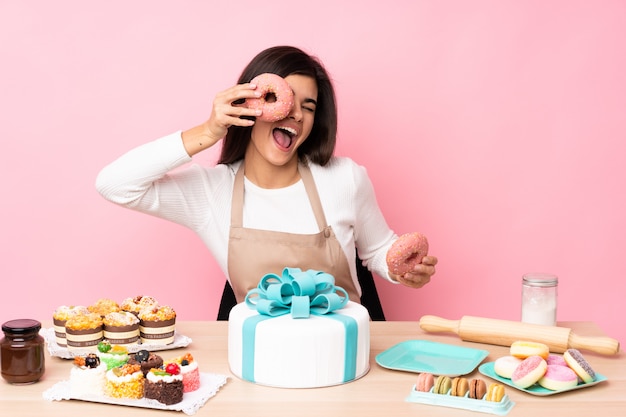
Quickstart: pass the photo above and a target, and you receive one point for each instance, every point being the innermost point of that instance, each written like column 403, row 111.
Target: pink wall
column 495, row 127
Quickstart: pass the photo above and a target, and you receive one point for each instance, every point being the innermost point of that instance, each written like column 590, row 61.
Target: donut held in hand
column 406, row 253
column 276, row 99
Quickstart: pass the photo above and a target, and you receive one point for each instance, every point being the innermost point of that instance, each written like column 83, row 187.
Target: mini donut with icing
column 558, row 378
column 524, row 348
column 529, row 371
column 276, row 99
column 579, row 365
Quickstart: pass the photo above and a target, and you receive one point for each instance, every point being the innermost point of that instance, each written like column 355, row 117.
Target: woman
column 277, row 197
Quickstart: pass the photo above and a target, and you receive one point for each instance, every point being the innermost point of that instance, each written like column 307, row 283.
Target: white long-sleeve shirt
column 146, row 179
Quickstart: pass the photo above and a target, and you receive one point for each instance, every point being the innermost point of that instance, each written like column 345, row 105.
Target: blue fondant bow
column 296, row 292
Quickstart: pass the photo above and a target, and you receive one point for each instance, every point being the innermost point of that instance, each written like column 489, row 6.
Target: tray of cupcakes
column 137, row 323
column 141, row 379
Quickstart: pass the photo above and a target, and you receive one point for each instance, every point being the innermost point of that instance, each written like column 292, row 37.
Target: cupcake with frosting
column 112, row 356
column 189, row 370
column 121, row 328
column 83, row 331
column 87, row 376
column 59, row 318
column 157, row 325
column 126, row 381
column 164, row 385
column 147, row 360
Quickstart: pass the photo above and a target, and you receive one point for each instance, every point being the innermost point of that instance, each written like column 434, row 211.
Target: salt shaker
column 539, row 298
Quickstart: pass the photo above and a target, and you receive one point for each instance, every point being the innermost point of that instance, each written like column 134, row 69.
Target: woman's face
column 278, row 142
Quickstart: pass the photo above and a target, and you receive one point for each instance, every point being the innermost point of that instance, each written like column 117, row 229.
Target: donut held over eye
column 407, row 252
column 276, row 99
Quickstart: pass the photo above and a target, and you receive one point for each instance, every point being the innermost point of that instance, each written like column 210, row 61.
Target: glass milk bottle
column 539, row 298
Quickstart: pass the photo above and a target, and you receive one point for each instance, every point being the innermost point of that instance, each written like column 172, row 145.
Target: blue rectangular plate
column 436, row 358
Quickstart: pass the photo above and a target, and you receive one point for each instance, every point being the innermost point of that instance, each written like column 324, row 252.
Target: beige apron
column 252, row 253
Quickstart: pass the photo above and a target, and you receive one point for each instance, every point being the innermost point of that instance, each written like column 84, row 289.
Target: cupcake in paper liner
column 83, row 331
column 157, row 325
column 104, row 306
column 59, row 318
column 136, row 304
column 121, row 328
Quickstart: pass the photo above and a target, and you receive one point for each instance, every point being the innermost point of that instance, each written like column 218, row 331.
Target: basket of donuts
column 532, row 368
column 137, row 323
column 472, row 394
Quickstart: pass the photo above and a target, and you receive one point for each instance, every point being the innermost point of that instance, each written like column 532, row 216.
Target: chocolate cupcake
column 164, row 385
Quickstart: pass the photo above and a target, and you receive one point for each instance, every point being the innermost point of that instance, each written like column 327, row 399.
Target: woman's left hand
column 420, row 275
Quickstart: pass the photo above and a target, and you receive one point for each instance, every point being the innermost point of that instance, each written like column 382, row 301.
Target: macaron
column 577, row 362
column 495, row 392
column 425, row 382
column 442, row 384
column 505, row 366
column 558, row 377
column 529, row 371
column 460, row 387
column 477, row 389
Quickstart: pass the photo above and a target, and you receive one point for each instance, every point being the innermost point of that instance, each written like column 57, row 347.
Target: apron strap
column 236, row 211
column 314, row 198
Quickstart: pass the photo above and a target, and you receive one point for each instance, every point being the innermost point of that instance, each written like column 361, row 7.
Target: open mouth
column 284, row 136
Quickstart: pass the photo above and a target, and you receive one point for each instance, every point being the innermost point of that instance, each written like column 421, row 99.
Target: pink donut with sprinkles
column 276, row 98
column 407, row 252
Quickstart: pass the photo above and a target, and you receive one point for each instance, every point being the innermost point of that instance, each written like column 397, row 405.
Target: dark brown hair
column 287, row 60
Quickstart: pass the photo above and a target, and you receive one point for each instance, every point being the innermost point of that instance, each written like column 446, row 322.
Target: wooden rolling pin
column 504, row 333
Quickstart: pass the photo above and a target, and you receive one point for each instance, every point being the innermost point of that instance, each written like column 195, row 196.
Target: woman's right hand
column 227, row 111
